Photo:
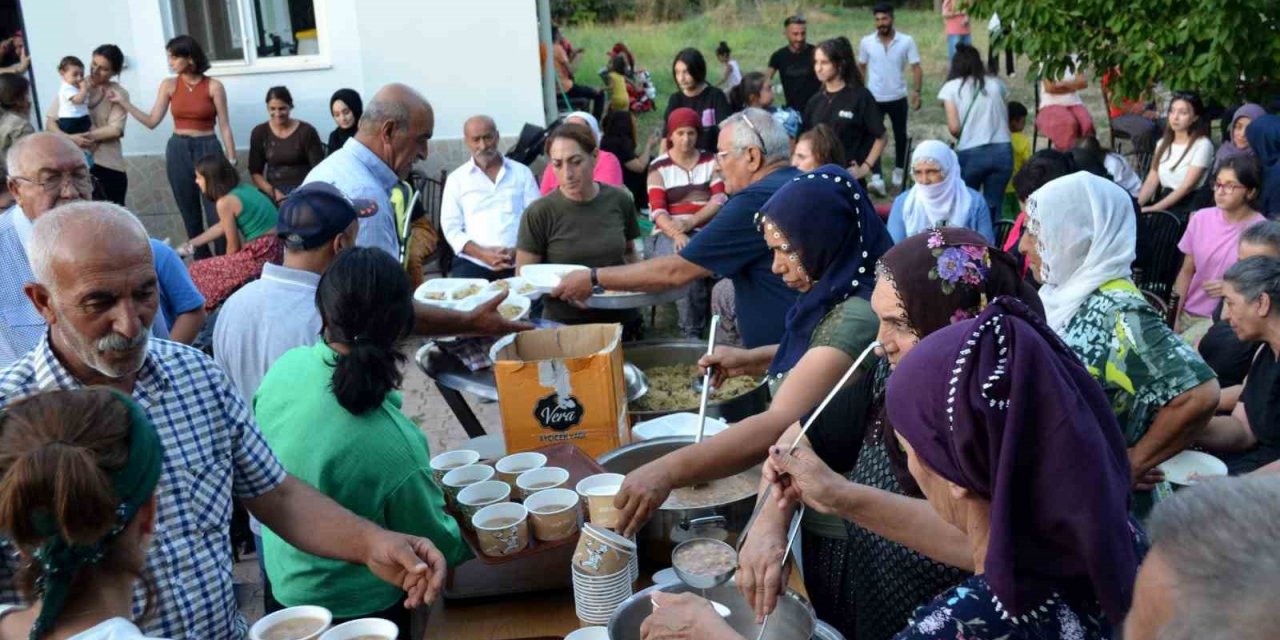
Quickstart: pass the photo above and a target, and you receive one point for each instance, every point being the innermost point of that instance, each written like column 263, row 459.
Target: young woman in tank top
column 198, row 104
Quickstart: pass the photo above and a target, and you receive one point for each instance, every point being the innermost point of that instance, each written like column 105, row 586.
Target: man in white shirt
column 482, row 204
column 882, row 58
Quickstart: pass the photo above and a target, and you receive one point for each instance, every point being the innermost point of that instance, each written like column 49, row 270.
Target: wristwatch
column 596, row 289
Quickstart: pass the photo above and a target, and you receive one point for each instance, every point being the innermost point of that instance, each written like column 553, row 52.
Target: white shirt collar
column 22, row 224
column 475, row 168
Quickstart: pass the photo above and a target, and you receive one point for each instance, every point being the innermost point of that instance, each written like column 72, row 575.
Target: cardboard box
column 562, row 385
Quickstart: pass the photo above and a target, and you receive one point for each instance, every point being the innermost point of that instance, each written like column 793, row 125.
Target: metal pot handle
column 705, row 521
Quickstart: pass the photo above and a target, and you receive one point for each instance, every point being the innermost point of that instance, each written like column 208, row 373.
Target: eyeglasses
column 56, row 183
column 720, row 155
column 1229, row 187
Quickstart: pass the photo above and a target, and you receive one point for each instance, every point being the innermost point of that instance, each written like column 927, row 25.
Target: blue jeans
column 988, row 169
column 952, row 41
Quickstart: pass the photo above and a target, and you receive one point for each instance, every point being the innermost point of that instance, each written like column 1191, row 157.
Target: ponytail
column 365, row 302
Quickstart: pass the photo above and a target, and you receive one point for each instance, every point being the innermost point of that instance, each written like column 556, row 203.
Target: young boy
column 1021, row 152
column 73, row 98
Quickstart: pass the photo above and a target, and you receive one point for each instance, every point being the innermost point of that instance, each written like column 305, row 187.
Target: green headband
column 134, row 483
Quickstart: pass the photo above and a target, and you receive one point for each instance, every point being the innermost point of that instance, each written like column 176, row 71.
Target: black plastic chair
column 432, row 190
column 1158, row 259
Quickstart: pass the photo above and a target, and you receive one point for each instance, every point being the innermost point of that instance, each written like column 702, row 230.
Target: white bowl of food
column 1192, row 467
column 546, row 277
column 676, row 424
column 516, row 286
column 295, row 623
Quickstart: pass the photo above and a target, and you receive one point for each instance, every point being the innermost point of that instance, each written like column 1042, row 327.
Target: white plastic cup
column 598, row 491
column 320, row 614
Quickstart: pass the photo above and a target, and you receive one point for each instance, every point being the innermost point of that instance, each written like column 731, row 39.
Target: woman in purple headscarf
column 1014, row 443
column 1236, row 143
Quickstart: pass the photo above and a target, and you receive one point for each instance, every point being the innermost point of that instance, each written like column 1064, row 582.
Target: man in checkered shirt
column 97, row 290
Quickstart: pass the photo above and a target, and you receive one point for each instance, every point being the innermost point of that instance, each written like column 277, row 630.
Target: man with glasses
column 47, row 170
column 752, row 154
column 795, row 62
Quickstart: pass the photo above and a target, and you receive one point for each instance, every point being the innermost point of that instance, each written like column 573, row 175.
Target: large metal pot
column 647, row 354
column 669, row 527
column 793, row 619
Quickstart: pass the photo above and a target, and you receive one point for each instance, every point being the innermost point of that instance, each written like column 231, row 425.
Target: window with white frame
column 245, row 32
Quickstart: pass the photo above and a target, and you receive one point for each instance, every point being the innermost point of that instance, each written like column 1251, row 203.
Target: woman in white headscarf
column 1080, row 239
column 939, row 197
column 608, row 168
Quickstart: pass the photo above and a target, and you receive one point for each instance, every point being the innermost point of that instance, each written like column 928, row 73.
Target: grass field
column 755, row 34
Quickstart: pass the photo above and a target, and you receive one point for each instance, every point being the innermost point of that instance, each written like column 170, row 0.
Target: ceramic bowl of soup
column 295, row 623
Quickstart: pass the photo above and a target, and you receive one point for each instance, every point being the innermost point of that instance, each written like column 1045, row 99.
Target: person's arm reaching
column 158, row 109
column 657, row 274
column 314, row 523
column 1228, row 434
column 1176, row 427
column 484, row 320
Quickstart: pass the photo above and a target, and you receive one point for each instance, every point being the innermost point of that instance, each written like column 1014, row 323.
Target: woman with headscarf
column 608, row 169
column 1080, row 240
column 1237, row 143
column 826, row 237
column 939, row 197
column 865, row 576
column 346, row 107
column 1013, row 443
column 685, row 193
column 1263, row 135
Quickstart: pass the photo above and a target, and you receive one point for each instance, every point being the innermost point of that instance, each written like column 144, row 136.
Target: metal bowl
column 647, row 354
column 792, row 619
column 696, row 579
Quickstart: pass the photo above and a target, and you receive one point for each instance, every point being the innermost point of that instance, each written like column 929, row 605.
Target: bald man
column 96, row 288
column 393, row 134
column 482, row 204
column 47, row 170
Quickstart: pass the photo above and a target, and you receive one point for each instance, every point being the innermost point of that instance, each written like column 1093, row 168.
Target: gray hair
column 379, row 111
column 777, row 145
column 47, row 233
column 1219, row 538
column 1265, row 234
column 14, row 159
column 1255, row 276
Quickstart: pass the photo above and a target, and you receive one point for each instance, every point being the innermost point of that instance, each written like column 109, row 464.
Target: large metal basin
column 793, row 619
column 647, row 354
column 669, row 527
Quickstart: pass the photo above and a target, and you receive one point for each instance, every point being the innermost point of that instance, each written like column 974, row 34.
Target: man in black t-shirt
column 795, row 61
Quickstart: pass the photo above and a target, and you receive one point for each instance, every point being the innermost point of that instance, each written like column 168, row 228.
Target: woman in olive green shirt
column 331, row 414
column 826, row 239
column 582, row 222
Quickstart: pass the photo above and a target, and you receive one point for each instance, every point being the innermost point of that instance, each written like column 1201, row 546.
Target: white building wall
column 465, row 56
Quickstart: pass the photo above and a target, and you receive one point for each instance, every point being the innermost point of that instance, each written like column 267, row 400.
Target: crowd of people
column 994, row 472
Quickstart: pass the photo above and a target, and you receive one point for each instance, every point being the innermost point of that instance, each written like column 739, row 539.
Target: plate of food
column 1192, row 467
column 514, row 307
column 448, row 292
column 546, row 277
column 516, row 285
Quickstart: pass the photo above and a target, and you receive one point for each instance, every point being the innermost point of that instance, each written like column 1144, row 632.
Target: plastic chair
column 432, row 198
column 1158, row 259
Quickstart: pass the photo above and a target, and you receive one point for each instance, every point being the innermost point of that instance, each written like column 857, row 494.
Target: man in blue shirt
column 752, row 153
column 394, row 132
column 46, row 170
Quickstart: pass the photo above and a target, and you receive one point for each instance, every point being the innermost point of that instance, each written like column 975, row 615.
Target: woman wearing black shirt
column 846, row 106
column 710, row 103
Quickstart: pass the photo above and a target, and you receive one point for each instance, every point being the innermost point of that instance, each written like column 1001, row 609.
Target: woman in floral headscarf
column 874, row 551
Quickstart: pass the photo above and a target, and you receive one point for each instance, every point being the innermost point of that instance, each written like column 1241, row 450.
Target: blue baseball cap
column 316, row 213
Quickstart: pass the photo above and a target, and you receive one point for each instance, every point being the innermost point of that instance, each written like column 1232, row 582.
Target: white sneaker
column 897, row 178
column 876, row 185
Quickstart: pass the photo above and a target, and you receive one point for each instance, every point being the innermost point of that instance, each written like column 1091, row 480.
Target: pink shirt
column 608, row 171
column 956, row 25
column 1213, row 244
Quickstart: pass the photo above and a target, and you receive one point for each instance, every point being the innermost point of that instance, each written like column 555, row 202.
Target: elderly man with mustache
column 96, row 288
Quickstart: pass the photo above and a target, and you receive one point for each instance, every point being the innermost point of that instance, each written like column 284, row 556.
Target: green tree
column 1222, row 49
